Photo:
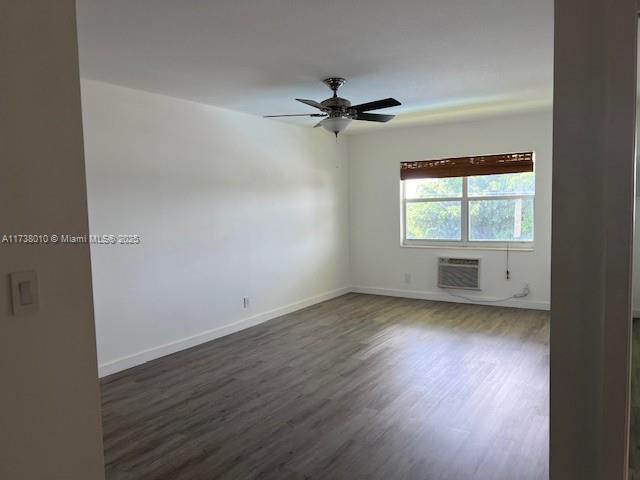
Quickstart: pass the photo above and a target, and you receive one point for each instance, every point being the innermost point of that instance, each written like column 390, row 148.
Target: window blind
column 468, row 166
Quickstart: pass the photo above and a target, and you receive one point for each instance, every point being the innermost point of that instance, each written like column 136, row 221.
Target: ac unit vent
column 459, row 273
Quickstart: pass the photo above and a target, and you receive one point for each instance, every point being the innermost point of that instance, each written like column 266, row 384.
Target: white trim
column 123, row 363
column 444, row 297
column 135, row 359
column 447, row 246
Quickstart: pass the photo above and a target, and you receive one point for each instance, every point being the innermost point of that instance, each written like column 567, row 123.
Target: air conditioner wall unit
column 459, row 273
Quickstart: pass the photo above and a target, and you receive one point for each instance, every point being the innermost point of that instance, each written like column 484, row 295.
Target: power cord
column 525, row 292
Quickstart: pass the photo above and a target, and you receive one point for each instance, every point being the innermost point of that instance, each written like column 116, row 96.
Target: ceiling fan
column 337, row 112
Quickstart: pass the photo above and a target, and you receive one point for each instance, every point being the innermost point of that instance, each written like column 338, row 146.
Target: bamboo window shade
column 468, row 166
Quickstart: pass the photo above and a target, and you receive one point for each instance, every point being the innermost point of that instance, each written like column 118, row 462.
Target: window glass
column 433, row 220
column 501, row 185
column 433, row 188
column 501, row 220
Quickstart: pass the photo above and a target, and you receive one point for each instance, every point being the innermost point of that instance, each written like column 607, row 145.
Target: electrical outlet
column 407, row 278
column 524, row 293
column 245, row 302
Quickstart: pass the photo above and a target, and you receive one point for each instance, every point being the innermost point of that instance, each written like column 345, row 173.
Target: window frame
column 464, row 242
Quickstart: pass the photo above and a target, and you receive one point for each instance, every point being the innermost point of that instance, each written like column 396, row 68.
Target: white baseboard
column 444, row 297
column 123, row 363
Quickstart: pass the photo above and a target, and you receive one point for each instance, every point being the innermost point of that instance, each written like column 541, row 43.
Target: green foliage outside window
column 490, row 219
column 433, row 220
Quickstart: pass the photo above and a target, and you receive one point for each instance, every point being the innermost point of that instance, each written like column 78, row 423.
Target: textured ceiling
column 256, row 56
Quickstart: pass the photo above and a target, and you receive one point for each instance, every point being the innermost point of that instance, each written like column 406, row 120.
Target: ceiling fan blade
column 297, row 115
column 374, row 117
column 312, row 103
column 377, row 105
column 319, row 124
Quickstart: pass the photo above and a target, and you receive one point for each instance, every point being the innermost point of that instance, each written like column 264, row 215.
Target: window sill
column 448, row 246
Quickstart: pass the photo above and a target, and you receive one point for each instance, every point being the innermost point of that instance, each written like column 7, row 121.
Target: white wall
column 227, row 204
column 379, row 263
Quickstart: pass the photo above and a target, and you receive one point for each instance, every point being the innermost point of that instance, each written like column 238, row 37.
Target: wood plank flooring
column 359, row 387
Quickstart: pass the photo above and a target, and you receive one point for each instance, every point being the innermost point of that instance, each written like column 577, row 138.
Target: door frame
column 593, row 199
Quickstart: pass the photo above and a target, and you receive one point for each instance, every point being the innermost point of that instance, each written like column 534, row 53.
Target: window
column 475, row 209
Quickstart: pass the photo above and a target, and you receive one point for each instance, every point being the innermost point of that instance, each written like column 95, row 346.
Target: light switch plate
column 24, row 292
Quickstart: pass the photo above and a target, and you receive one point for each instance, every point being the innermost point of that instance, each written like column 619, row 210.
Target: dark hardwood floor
column 359, row 387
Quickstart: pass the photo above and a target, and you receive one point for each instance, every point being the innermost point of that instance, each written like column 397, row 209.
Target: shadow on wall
column 228, row 206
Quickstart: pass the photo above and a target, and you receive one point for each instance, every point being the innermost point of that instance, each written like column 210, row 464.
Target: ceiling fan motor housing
column 337, row 106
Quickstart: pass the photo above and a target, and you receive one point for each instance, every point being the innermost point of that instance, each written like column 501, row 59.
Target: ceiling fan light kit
column 338, row 112
column 334, row 125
